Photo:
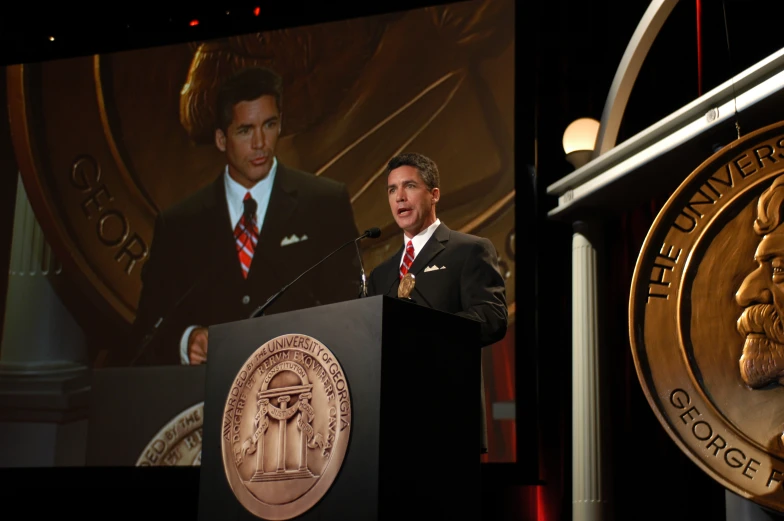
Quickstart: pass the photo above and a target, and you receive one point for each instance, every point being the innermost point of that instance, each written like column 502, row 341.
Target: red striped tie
column 408, row 258
column 245, row 238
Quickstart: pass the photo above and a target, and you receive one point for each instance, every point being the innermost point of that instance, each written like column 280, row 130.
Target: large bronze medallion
column 707, row 299
column 286, row 427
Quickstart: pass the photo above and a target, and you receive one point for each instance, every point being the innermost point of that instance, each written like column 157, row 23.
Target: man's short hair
column 770, row 208
column 426, row 167
column 247, row 85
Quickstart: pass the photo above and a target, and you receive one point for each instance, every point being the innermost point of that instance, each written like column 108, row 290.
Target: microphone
column 372, row 233
column 249, row 213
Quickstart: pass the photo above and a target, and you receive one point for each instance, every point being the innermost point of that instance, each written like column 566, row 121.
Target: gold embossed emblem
column 406, row 286
column 286, row 427
column 178, row 443
column 707, row 301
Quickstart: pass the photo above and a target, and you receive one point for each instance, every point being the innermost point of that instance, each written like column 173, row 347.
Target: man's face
column 249, row 142
column 762, row 296
column 413, row 205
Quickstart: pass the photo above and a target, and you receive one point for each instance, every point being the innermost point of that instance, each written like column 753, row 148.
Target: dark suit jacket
column 471, row 286
column 193, row 260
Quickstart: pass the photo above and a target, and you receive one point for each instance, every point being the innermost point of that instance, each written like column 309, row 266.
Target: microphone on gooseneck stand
column 372, row 233
column 249, row 212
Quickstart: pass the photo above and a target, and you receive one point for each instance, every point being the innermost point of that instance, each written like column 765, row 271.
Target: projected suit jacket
column 456, row 273
column 193, row 275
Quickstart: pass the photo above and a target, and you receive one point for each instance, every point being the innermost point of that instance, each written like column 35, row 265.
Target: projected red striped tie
column 246, row 234
column 408, row 259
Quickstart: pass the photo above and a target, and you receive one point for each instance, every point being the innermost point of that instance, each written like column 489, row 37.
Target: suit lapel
column 391, row 277
column 282, row 203
column 432, row 247
column 218, row 225
column 435, row 245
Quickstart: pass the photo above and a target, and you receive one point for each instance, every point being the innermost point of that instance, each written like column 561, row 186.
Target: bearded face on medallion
column 762, row 296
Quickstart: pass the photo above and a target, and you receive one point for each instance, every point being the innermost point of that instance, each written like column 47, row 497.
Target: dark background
column 567, row 55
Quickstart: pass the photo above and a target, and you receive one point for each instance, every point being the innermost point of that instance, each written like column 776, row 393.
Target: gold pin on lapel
column 406, row 286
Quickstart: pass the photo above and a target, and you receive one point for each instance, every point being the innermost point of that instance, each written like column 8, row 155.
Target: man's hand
column 197, row 346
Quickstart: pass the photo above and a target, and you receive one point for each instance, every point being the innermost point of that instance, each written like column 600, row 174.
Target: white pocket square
column 293, row 239
column 434, row 267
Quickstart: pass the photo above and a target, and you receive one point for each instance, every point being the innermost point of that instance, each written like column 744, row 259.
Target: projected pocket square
column 293, row 239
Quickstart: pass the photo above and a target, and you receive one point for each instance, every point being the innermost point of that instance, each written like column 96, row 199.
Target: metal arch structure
column 628, row 70
column 632, row 163
column 618, row 96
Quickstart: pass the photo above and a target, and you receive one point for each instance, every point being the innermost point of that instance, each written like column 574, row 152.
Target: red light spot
column 194, row 23
column 257, row 11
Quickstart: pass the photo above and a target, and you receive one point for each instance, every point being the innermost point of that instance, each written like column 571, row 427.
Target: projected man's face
column 250, row 140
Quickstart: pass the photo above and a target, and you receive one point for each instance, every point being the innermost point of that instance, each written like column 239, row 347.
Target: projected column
column 42, row 356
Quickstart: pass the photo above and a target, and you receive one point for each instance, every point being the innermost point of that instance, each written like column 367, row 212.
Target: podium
column 360, row 410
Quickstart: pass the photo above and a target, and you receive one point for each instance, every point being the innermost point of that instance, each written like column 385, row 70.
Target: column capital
column 591, row 229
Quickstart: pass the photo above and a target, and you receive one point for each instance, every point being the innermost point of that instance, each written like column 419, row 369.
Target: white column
column 44, row 381
column 741, row 509
column 589, row 501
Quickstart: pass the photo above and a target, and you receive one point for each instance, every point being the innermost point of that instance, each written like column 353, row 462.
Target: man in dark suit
column 454, row 272
column 223, row 251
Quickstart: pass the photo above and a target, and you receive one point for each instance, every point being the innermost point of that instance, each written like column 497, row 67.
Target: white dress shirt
column 235, row 193
column 419, row 240
column 261, row 191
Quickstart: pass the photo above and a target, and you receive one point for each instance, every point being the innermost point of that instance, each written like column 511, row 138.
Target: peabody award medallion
column 286, row 427
column 706, row 308
column 178, row 443
column 406, row 286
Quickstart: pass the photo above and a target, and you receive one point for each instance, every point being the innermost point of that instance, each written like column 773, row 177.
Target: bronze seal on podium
column 706, row 307
column 286, row 427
